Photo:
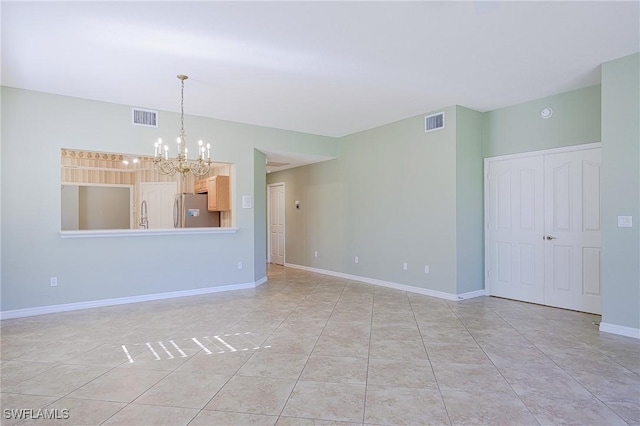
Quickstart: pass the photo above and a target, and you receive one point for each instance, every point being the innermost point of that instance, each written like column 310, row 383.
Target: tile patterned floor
column 309, row 349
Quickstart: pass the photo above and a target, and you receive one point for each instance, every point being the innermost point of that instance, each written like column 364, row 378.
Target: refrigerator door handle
column 176, row 211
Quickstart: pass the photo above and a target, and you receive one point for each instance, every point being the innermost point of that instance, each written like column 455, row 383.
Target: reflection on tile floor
column 312, row 349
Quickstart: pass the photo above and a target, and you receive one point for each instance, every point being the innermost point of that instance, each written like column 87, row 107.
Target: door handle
column 175, row 212
column 549, row 237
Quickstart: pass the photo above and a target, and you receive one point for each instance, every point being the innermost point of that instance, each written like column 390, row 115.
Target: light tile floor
column 312, row 349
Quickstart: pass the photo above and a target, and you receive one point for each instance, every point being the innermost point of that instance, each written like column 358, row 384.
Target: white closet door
column 514, row 244
column 543, row 229
column 572, row 230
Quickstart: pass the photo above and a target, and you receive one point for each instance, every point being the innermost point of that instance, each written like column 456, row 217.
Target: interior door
column 276, row 224
column 515, row 261
column 159, row 197
column 572, row 230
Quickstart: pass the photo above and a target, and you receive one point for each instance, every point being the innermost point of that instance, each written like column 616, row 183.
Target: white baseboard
column 620, row 330
column 50, row 309
column 388, row 284
column 471, row 294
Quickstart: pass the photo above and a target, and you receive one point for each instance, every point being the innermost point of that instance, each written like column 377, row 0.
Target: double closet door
column 542, row 242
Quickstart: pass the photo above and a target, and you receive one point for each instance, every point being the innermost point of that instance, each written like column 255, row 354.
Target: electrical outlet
column 53, row 281
column 426, row 269
column 404, row 266
column 239, row 265
column 355, row 259
column 315, row 254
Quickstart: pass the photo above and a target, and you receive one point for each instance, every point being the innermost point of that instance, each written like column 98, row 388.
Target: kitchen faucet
column 144, row 220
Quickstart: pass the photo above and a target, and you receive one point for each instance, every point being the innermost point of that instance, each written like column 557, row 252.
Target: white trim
column 144, row 232
column 620, row 330
column 568, row 148
column 471, row 294
column 388, row 284
column 50, row 309
column 261, row 281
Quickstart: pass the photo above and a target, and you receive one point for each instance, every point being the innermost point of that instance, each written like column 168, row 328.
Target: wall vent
column 434, row 122
column 144, row 117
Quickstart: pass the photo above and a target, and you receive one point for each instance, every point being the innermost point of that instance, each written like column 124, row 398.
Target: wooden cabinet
column 200, row 186
column 218, row 194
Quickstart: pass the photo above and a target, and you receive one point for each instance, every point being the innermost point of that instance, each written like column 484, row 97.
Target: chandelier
column 181, row 164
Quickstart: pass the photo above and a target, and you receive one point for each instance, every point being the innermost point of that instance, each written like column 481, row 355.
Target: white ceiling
column 327, row 68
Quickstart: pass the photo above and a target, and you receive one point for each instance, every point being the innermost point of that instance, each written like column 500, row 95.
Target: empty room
column 314, row 213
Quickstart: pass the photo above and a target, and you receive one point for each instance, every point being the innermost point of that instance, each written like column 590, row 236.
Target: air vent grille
column 434, row 122
column 144, row 117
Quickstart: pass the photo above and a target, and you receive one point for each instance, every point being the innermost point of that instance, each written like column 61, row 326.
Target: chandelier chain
column 182, row 109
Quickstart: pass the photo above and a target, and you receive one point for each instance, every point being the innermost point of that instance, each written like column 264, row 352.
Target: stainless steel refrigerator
column 190, row 211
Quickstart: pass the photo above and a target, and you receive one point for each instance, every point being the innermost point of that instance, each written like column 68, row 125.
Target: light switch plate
column 625, row 221
column 246, row 201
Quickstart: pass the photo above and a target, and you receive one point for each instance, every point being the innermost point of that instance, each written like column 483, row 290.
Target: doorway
column 276, row 221
column 543, row 240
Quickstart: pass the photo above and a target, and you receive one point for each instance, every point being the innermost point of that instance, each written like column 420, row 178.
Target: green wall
column 519, row 128
column 392, row 197
column 469, row 201
column 37, row 125
column 259, row 204
column 621, row 191
column 401, row 194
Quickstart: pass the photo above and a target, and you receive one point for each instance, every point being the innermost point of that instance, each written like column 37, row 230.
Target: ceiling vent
column 434, row 122
column 144, row 117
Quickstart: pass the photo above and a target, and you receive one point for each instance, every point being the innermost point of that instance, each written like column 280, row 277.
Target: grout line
column 314, row 345
column 366, row 379
column 424, row 345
